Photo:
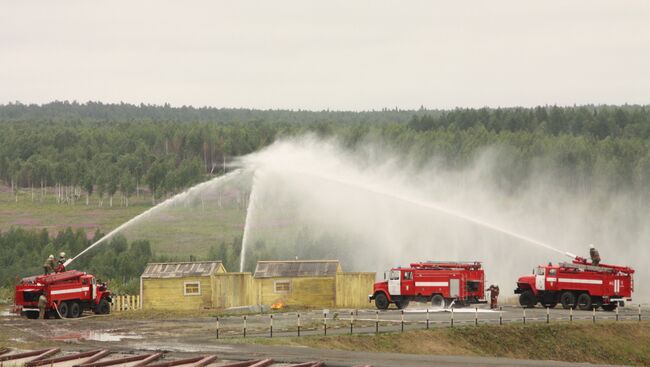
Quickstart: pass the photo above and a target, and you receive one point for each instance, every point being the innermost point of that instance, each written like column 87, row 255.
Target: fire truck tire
column 609, row 307
column 75, row 309
column 437, row 301
column 31, row 314
column 568, row 300
column 584, row 301
column 404, row 303
column 64, row 310
column 104, row 308
column 527, row 299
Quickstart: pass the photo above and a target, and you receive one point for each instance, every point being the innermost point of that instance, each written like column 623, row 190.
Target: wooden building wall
column 352, row 289
column 168, row 294
column 234, row 289
column 304, row 291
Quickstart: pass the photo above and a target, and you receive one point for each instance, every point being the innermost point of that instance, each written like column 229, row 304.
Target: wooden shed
column 178, row 285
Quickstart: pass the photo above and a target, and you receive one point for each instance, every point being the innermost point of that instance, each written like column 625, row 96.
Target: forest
column 97, row 150
column 87, row 153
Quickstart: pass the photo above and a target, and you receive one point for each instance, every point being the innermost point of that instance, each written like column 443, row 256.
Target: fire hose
column 69, row 318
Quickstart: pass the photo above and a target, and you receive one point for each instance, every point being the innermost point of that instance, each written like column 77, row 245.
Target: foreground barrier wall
column 234, row 289
column 352, row 289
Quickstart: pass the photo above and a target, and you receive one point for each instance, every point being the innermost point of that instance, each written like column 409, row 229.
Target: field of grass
column 187, row 229
column 608, row 342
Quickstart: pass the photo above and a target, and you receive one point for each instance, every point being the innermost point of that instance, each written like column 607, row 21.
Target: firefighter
column 42, row 302
column 595, row 256
column 494, row 295
column 61, row 266
column 49, row 265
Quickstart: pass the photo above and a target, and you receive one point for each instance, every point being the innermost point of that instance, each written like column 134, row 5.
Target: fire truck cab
column 578, row 284
column 441, row 283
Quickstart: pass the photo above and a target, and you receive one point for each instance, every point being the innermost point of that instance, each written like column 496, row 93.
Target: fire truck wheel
column 584, row 301
column 104, row 308
column 404, row 303
column 64, row 309
column 437, row 301
column 568, row 300
column 31, row 314
column 527, row 299
column 609, row 307
column 381, row 301
column 75, row 310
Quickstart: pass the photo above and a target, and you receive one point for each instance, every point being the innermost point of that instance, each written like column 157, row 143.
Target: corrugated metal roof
column 298, row 268
column 181, row 269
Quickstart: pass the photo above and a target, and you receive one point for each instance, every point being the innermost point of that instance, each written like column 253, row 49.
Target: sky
column 340, row 55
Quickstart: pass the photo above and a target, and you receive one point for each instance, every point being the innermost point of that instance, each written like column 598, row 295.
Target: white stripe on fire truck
column 549, row 279
column 431, row 284
column 580, row 281
column 73, row 290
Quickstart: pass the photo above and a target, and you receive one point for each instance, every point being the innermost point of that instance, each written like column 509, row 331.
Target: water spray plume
column 247, row 223
column 173, row 199
column 427, row 205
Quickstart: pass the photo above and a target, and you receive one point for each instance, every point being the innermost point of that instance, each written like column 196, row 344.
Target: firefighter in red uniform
column 494, row 295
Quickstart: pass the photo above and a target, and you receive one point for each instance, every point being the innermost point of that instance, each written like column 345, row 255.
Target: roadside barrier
column 125, row 303
column 311, row 323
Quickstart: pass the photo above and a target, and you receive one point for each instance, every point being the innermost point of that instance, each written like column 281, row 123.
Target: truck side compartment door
column 454, row 288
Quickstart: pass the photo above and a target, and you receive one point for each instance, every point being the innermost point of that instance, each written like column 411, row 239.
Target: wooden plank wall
column 352, row 289
column 234, row 289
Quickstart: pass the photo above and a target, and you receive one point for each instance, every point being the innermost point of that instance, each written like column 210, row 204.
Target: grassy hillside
column 611, row 343
column 177, row 231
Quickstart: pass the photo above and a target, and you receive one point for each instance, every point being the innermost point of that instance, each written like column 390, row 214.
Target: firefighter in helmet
column 61, row 266
column 49, row 265
column 494, row 295
column 595, row 256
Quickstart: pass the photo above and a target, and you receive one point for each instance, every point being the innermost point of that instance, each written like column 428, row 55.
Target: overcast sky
column 326, row 54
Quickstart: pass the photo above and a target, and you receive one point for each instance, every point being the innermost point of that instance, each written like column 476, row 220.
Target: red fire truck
column 70, row 292
column 441, row 283
column 577, row 284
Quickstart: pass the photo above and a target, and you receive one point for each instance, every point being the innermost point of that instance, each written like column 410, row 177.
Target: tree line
column 76, row 151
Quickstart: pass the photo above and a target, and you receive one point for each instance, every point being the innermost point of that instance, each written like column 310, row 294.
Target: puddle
column 101, row 336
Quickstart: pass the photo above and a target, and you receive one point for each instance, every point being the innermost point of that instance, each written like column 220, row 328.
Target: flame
column 277, row 305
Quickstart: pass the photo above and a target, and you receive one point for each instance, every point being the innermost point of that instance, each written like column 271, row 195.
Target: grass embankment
column 612, row 343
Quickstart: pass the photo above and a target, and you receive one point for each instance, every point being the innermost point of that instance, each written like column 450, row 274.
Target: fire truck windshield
column 540, row 271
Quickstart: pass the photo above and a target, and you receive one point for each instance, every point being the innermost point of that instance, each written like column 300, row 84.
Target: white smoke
column 372, row 211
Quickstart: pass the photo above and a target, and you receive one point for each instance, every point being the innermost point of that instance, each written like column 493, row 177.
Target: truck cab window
column 408, row 275
column 394, row 275
column 552, row 272
column 540, row 271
